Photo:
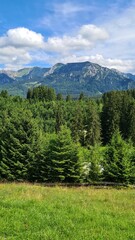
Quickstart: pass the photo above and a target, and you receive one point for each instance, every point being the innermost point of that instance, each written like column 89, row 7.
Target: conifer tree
column 93, row 126
column 18, row 146
column 130, row 126
column 95, row 166
column 59, row 117
column 68, row 98
column 118, row 165
column 77, row 126
column 63, row 157
column 59, row 97
column 110, row 117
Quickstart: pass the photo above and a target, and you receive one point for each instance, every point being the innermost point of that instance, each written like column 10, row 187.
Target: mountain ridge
column 70, row 78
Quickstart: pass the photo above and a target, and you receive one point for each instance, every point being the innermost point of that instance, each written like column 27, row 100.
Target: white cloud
column 12, row 59
column 108, row 39
column 111, row 45
column 85, row 39
column 22, row 37
column 18, row 46
column 93, row 33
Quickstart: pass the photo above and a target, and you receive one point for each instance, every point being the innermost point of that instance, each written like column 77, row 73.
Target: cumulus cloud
column 22, row 37
column 14, row 58
column 93, row 33
column 85, row 39
column 18, row 46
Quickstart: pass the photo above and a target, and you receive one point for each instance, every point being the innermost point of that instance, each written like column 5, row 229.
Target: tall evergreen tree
column 118, row 166
column 77, row 126
column 59, row 97
column 93, row 126
column 63, row 157
column 110, row 117
column 18, row 146
column 68, row 98
column 59, row 116
column 130, row 126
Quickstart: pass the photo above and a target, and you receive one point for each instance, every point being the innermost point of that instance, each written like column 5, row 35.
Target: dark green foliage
column 95, row 164
column 42, row 167
column 63, row 158
column 41, row 93
column 18, row 146
column 68, row 98
column 118, row 164
column 81, row 97
column 110, row 115
column 118, row 114
column 92, row 125
column 131, row 122
column 4, row 93
column 59, row 117
column 34, row 145
column 77, row 126
column 59, row 97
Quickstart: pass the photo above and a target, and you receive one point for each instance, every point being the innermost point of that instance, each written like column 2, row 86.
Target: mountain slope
column 87, row 77
column 70, row 78
column 4, row 79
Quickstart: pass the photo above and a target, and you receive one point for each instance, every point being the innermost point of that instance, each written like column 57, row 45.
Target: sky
column 45, row 32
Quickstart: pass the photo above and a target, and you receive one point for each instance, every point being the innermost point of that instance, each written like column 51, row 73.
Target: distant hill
column 71, row 78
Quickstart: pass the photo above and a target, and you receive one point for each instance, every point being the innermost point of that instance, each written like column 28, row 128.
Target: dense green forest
column 48, row 138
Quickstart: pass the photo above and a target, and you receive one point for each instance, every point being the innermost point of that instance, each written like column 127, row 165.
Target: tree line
column 50, row 138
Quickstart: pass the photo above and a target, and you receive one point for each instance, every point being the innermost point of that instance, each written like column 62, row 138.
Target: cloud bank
column 21, row 46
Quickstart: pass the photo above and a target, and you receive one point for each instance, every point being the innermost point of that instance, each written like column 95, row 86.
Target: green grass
column 60, row 213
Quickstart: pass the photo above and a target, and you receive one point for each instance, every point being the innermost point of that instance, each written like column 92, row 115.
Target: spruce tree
column 63, row 158
column 77, row 126
column 18, row 146
column 110, row 117
column 93, row 126
column 118, row 166
column 59, row 116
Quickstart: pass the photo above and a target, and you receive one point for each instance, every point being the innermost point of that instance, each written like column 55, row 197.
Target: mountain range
column 71, row 78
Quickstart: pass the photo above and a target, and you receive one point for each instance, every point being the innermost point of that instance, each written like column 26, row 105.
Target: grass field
column 60, row 213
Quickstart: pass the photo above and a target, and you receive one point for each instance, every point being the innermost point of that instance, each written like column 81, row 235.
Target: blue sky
column 43, row 32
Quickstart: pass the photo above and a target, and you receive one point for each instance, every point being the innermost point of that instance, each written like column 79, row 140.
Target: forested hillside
column 48, row 138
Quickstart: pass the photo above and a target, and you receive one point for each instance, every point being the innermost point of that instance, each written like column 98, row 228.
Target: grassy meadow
column 31, row 212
